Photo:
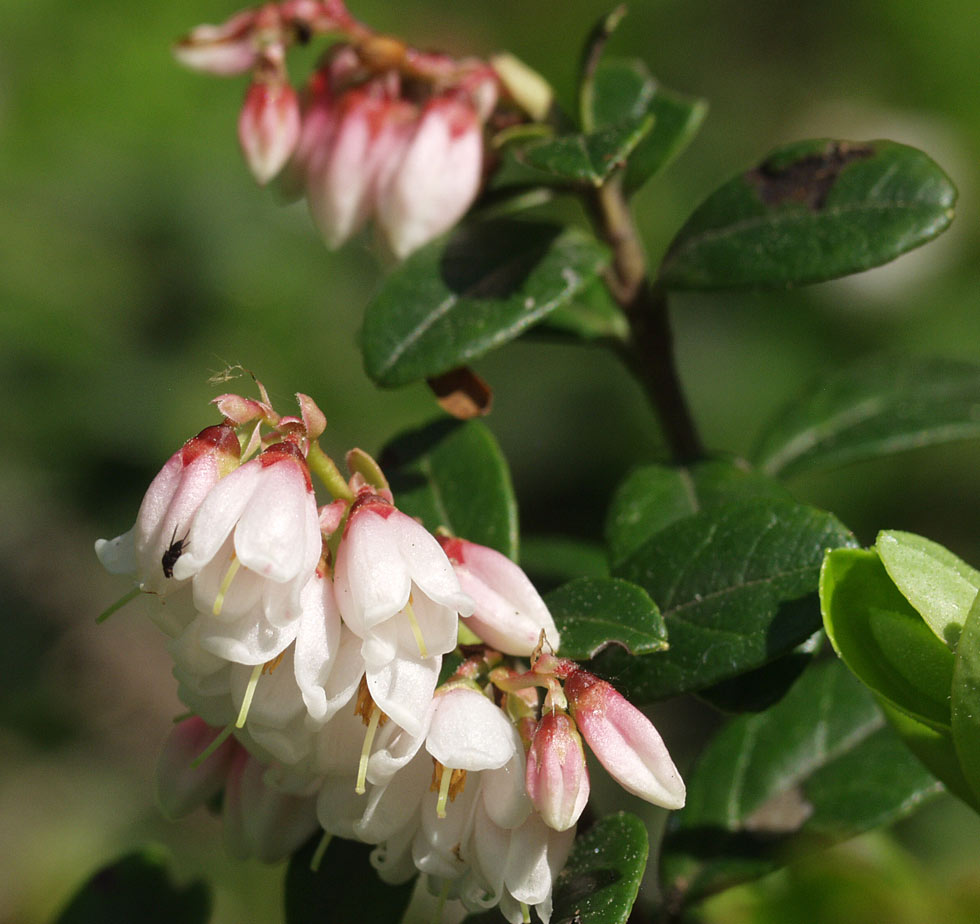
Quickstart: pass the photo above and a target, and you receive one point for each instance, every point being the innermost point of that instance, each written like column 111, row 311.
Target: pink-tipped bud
column 510, row 614
column 224, row 50
column 180, row 785
column 557, row 779
column 437, row 177
column 624, row 740
column 269, row 127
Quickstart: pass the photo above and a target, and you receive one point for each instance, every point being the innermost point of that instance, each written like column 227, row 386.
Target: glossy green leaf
column 965, row 699
column 592, row 315
column 735, row 584
column 601, row 879
column 881, row 637
column 811, row 211
column 939, row 585
column 452, row 474
column 138, row 888
column 878, row 407
column 550, row 561
column 652, row 497
column 820, row 766
column 345, row 889
column 466, row 294
column 625, row 89
column 757, row 690
column 592, row 613
column 587, row 158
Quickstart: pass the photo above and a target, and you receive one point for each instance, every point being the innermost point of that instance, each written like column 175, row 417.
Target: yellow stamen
column 361, row 786
column 270, row 666
column 321, row 849
column 219, row 601
column 447, row 778
column 416, row 629
column 253, row 682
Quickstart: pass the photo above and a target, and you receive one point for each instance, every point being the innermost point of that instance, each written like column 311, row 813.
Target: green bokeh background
column 137, row 258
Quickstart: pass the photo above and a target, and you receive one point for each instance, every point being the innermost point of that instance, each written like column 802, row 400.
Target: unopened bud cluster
column 383, row 130
column 308, row 642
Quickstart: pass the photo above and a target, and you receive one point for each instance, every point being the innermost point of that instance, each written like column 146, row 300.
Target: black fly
column 176, row 549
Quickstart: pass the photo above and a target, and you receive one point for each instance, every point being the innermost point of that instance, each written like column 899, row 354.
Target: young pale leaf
column 965, row 700
column 592, row 613
column 625, row 89
column 138, row 888
column 820, row 766
column 601, row 879
column 811, row 211
column 735, row 585
column 343, row 890
column 466, row 294
column 939, row 585
column 587, row 159
column 650, row 498
column 452, row 474
column 882, row 639
column 878, row 407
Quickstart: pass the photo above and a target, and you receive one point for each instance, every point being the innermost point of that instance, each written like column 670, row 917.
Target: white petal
column 468, row 732
column 118, row 556
column 504, row 795
column 317, row 642
column 392, row 806
column 403, row 690
column 248, row 640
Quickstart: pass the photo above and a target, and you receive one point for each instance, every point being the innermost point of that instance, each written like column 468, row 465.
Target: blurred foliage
column 137, row 258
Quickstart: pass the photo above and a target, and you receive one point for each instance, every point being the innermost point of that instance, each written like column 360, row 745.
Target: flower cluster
column 309, row 643
column 383, row 130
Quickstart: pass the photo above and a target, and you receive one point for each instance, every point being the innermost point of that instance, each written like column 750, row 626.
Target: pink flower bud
column 156, row 542
column 182, row 787
column 510, row 614
column 437, row 177
column 269, row 127
column 224, row 50
column 557, row 779
column 624, row 740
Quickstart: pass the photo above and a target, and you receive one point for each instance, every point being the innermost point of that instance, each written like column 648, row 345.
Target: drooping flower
column 269, row 123
column 158, row 540
column 624, row 740
column 509, row 613
column 255, row 541
column 557, row 778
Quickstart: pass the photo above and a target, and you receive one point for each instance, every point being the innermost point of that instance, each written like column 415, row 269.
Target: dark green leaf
column 588, row 159
column 735, row 585
column 344, row 889
column 940, row 586
column 965, row 699
column 811, row 211
column 882, row 638
column 552, row 560
column 876, row 408
column 757, row 690
column 592, row 613
column 652, row 497
column 624, row 89
column 452, row 474
column 138, row 888
column 462, row 296
column 602, row 877
column 592, row 315
column 820, row 766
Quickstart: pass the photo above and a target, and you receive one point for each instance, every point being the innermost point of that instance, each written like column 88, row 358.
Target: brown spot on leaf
column 462, row 393
column 807, row 180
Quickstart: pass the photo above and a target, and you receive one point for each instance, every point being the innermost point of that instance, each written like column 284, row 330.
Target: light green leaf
column 939, row 585
column 965, row 699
